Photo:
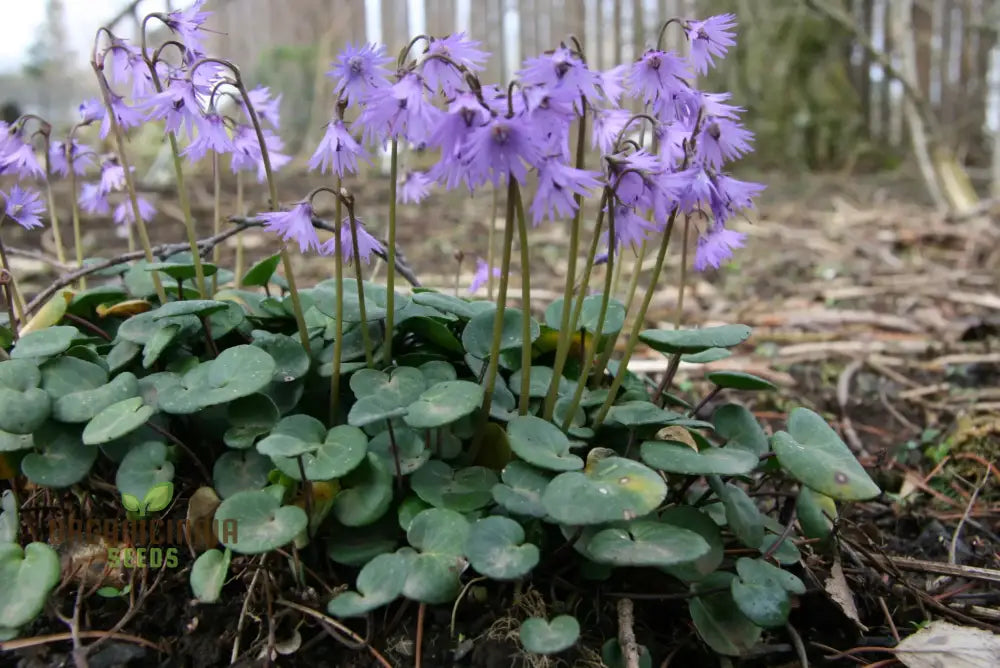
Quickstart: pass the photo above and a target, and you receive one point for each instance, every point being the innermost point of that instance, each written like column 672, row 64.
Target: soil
column 867, row 306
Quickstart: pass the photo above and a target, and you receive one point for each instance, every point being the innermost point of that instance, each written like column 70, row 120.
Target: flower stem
column 490, row 243
column 609, row 346
column 565, row 331
column 679, row 316
column 338, row 342
column 591, row 346
column 522, row 231
column 640, row 319
column 588, row 267
column 216, row 221
column 129, row 183
column 390, row 276
column 240, row 249
column 50, row 196
column 494, row 361
column 14, row 304
column 75, row 209
column 365, row 337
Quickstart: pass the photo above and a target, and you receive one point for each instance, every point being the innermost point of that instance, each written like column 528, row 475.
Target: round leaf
column 262, row 523
column 440, row 536
column 678, row 458
column 686, row 341
column 65, row 375
column 340, row 452
column 691, row 518
column 522, row 489
column 739, row 380
column 612, row 489
column 144, row 467
column 410, row 450
column 366, row 495
column 62, row 460
column 814, row 511
column 117, row 420
column 240, row 470
column 45, row 342
column 741, row 513
column 356, row 546
column 249, row 418
column 464, row 490
column 740, row 428
column 477, row 337
column 541, row 443
column 647, row 543
column 496, row 548
column 719, row 621
column 380, row 582
column 814, row 454
column 26, row 578
column 260, row 273
column 540, row 636
column 632, row 414
column 208, row 574
column 761, row 591
column 444, row 403
column 290, row 358
column 84, row 406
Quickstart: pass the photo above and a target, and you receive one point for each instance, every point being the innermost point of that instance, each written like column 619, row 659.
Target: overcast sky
column 22, row 19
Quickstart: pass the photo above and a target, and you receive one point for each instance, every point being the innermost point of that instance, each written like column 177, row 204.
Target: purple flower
column 608, row 124
column 337, row 149
column 359, row 70
column 126, row 116
column 187, row 24
column 404, row 112
column 709, row 39
column 293, row 225
column 611, row 83
column 550, row 117
column 499, row 148
column 482, row 275
column 177, row 105
column 367, row 244
column 91, row 110
column 563, row 74
column 92, row 200
column 716, row 247
column 59, row 159
column 722, row 139
column 268, row 108
column 557, row 183
column 631, row 229
column 18, row 157
column 460, row 49
column 122, row 61
column 656, row 74
column 414, row 187
column 112, row 177
column 732, row 195
column 24, row 207
column 124, row 215
column 212, row 136
column 464, row 113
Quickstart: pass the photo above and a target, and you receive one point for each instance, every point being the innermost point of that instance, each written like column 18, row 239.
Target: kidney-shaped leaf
column 521, row 490
column 639, row 413
column 813, row 453
column 240, row 470
column 443, row 403
column 25, row 405
column 677, row 458
column 477, row 337
column 117, row 420
column 463, row 490
column 718, row 619
column 379, row 583
column 612, row 489
column 496, row 548
column 740, row 380
column 692, row 519
column 741, row 429
column 540, row 636
column 342, row 450
column 647, row 543
column 366, row 495
column 45, row 342
column 262, row 523
column 208, row 574
column 686, row 341
column 144, row 467
column 26, row 578
column 84, row 405
column 440, row 536
column 761, row 591
column 62, row 460
column 541, row 443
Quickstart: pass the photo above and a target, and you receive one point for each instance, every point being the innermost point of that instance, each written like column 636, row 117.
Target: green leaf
column 117, row 420
column 541, row 443
column 262, row 523
column 813, row 453
column 45, row 342
column 440, row 536
column 610, row 490
column 444, row 403
column 366, row 495
column 496, row 548
column 464, row 490
column 341, row 451
column 679, row 458
column 380, row 582
column 290, row 358
column 741, row 512
column 208, row 574
column 84, row 303
column 143, row 469
column 740, row 429
column 614, row 318
column 691, row 518
column 540, row 636
column 718, row 619
column 446, row 303
column 633, row 414
column 65, row 375
column 140, row 329
column 26, row 578
column 25, row 405
column 9, row 522
column 356, row 546
column 477, row 337
column 237, row 372
column 260, row 273
column 541, row 377
column 249, row 418
column 521, row 490
column 383, row 397
column 61, row 460
column 738, row 380
column 687, row 341
column 131, row 503
column 814, row 511
column 239, row 471
column 181, row 271
column 707, row 356
column 761, row 592
column 646, row 543
column 85, row 405
column 432, row 331
column 410, row 449
column 159, row 342
column 13, row 442
column 121, row 354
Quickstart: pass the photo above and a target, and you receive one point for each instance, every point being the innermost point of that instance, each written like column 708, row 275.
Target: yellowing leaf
column 50, row 314
column 677, row 435
column 942, row 643
column 124, row 309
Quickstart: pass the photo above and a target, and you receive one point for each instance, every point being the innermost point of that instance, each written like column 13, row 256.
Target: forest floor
column 866, row 306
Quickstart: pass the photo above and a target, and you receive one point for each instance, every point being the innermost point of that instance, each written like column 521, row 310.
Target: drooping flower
column 187, row 24
column 557, row 185
column 268, row 108
column 212, row 136
column 293, row 225
column 562, row 74
column 122, row 61
column 482, row 275
column 611, row 83
column 721, row 140
column 404, row 112
column 18, row 157
column 631, row 229
column 177, row 105
column 24, row 207
column 464, row 114
column 337, row 149
column 125, row 216
column 709, row 39
column 91, row 110
column 126, row 116
column 112, row 177
column 367, row 244
column 716, row 247
column 459, row 49
column 608, row 124
column 501, row 147
column 413, row 187
column 358, row 70
column 59, row 159
column 656, row 74
column 92, row 200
